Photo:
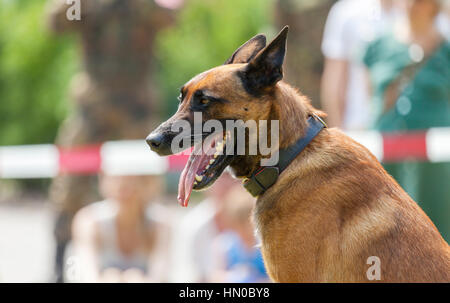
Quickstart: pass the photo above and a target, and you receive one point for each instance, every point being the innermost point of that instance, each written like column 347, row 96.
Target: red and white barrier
column 432, row 145
column 135, row 158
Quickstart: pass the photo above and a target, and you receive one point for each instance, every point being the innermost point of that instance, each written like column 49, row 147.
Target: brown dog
column 333, row 214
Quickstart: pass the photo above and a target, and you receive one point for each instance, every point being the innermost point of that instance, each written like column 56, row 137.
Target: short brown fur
column 335, row 205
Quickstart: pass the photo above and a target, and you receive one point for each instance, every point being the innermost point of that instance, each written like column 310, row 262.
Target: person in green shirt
column 409, row 73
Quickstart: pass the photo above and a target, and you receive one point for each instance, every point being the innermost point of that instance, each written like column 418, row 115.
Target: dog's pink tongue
column 200, row 156
column 187, row 178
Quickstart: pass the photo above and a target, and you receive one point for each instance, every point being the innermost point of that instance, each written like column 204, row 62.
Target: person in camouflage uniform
column 113, row 95
column 306, row 20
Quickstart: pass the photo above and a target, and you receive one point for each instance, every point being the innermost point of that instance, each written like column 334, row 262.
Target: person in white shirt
column 123, row 238
column 350, row 25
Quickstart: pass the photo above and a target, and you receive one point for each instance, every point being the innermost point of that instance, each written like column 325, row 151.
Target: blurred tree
column 306, row 19
column 206, row 35
column 35, row 69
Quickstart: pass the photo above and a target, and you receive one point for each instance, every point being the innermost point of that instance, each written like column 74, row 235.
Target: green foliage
column 206, row 34
column 36, row 66
column 35, row 71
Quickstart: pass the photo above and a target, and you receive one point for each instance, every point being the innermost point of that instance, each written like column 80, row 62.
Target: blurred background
column 372, row 65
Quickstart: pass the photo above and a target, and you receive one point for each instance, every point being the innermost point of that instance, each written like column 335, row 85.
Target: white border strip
column 29, row 161
column 372, row 140
column 438, row 144
column 131, row 158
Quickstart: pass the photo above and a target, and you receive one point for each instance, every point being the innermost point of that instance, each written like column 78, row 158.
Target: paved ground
column 26, row 239
column 26, row 245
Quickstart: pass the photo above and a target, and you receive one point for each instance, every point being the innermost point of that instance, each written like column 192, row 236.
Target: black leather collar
column 265, row 177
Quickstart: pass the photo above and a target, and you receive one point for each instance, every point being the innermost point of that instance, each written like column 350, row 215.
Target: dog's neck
column 292, row 110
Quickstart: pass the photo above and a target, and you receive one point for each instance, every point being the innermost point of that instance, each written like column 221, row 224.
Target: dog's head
column 240, row 89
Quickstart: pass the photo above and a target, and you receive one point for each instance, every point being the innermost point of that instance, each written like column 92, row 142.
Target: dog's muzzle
column 159, row 144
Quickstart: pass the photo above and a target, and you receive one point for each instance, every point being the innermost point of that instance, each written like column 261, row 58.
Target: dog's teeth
column 198, row 178
column 211, row 161
column 216, row 154
column 207, row 166
column 195, row 183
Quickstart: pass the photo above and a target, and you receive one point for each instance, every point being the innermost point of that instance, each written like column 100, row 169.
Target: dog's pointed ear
column 266, row 68
column 248, row 50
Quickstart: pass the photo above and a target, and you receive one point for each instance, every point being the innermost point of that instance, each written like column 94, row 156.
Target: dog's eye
column 204, row 101
column 180, row 98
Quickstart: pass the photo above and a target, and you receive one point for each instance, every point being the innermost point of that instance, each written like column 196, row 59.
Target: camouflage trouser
column 306, row 20
column 99, row 118
column 71, row 192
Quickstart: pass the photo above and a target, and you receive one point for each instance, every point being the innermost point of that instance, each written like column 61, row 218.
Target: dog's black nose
column 154, row 140
column 158, row 144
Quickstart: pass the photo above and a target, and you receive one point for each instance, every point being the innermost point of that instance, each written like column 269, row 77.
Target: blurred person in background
column 114, row 95
column 238, row 257
column 195, row 259
column 409, row 71
column 123, row 238
column 351, row 24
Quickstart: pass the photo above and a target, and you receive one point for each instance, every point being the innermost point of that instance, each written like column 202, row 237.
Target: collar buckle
column 261, row 180
column 265, row 177
column 320, row 120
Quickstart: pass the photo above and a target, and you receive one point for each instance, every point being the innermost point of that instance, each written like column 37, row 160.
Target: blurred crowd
column 387, row 68
column 130, row 236
column 384, row 65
